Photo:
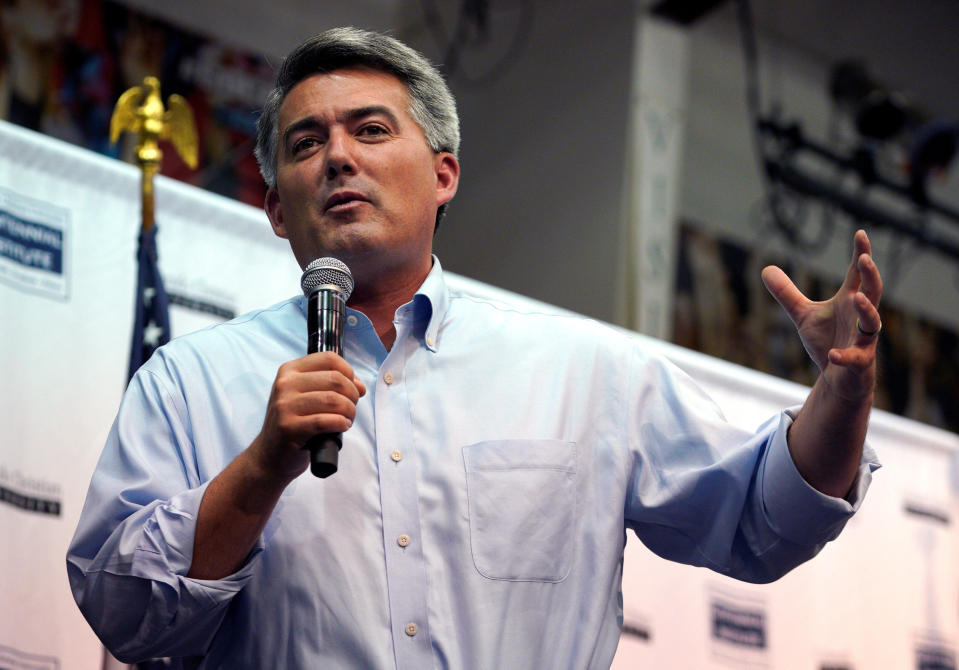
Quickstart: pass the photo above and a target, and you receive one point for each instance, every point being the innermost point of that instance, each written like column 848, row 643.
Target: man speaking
column 492, row 458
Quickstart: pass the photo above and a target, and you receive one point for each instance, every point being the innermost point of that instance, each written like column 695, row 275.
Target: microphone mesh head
column 327, row 271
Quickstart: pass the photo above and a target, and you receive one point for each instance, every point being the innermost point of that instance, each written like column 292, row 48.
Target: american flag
column 151, row 326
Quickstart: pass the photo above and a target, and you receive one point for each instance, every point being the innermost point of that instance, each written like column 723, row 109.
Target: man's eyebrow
column 372, row 110
column 307, row 123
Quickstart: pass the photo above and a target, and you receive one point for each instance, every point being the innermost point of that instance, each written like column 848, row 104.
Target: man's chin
column 352, row 246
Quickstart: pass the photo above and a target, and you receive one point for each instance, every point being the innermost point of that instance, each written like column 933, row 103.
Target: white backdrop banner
column 882, row 596
column 69, row 221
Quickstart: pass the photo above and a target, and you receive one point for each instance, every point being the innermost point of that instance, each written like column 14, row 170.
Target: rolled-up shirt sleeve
column 133, row 547
column 795, row 510
column 708, row 493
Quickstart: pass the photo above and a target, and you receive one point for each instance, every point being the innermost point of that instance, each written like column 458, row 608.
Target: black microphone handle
column 324, row 453
column 326, row 311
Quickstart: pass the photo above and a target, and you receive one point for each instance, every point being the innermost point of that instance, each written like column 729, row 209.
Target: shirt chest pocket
column 522, row 504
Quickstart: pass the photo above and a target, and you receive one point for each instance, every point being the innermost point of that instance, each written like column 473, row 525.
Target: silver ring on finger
column 868, row 333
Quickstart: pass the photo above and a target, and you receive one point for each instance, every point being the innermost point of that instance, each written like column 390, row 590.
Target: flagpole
column 140, row 110
column 147, row 172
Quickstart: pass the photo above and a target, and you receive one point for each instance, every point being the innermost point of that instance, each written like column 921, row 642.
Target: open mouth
column 343, row 200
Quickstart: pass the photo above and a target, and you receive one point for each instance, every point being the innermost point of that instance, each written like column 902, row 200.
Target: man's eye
column 373, row 130
column 302, row 144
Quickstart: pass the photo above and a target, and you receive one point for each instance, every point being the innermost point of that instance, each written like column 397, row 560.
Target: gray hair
column 431, row 103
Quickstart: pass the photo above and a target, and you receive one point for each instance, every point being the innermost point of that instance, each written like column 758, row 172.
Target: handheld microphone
column 327, row 284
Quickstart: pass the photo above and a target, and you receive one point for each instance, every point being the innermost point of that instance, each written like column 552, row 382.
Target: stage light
column 879, row 113
column 932, row 149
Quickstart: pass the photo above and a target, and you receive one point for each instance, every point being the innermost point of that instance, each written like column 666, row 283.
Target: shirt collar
column 430, row 304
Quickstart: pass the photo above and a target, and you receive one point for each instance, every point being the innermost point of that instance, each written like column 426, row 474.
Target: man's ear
column 274, row 211
column 447, row 177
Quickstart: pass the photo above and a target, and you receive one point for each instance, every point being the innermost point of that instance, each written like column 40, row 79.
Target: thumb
column 784, row 291
column 360, row 386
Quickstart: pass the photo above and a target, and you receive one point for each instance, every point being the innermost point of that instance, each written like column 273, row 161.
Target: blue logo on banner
column 14, row 659
column 934, row 657
column 30, row 243
column 739, row 626
column 34, row 245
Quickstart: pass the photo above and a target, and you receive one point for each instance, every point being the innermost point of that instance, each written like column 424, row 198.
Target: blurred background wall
column 554, row 118
column 613, row 164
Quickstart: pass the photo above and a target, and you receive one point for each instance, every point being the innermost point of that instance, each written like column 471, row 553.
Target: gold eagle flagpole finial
column 140, row 110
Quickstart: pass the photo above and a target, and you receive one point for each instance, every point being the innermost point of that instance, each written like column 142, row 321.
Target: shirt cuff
column 796, row 510
column 166, row 547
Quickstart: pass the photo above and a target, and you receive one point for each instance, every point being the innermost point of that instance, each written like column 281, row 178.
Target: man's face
column 356, row 178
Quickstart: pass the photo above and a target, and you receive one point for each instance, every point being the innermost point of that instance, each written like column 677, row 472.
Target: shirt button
column 403, row 540
column 388, row 378
column 397, row 455
column 429, row 341
column 351, row 320
column 411, row 629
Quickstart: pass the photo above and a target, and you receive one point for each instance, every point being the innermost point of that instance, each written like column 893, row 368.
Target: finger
column 328, row 380
column 295, row 419
column 315, row 424
column 861, row 242
column 855, row 358
column 869, row 319
column 330, row 423
column 871, row 279
column 314, row 413
column 329, row 361
column 325, row 360
column 784, row 291
column 325, row 402
column 860, row 246
column 294, row 383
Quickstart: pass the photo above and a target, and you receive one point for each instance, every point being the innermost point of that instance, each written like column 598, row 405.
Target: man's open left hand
column 840, row 333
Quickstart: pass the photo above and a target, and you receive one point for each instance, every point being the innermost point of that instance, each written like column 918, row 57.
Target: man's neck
column 379, row 300
column 381, row 314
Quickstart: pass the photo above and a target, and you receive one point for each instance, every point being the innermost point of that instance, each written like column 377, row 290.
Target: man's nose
column 339, row 157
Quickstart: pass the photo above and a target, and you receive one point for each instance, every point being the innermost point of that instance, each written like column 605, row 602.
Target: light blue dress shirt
column 479, row 514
